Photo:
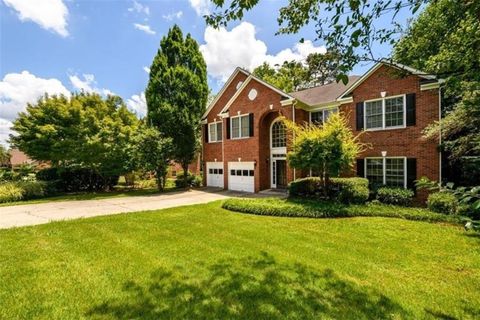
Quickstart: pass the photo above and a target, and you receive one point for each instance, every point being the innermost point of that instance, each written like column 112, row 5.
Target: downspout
column 440, row 133
column 293, row 118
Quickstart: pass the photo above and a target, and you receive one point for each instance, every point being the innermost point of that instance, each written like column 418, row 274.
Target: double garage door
column 241, row 176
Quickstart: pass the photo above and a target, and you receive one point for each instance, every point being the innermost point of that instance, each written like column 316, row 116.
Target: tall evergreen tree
column 177, row 93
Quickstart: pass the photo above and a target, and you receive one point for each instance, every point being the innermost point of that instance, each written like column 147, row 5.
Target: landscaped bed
column 206, row 262
column 297, row 207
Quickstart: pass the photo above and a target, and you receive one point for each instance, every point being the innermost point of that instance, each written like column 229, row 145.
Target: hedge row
column 327, row 209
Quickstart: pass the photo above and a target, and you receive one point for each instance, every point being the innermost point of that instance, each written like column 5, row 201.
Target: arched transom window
column 279, row 135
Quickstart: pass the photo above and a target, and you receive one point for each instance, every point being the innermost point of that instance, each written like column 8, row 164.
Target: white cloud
column 139, row 8
column 225, row 50
column 87, row 84
column 146, row 69
column 201, row 7
column 173, row 15
column 143, row 27
column 5, row 131
column 138, row 104
column 18, row 89
column 49, row 14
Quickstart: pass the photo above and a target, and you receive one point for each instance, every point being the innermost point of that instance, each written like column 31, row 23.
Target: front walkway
column 32, row 214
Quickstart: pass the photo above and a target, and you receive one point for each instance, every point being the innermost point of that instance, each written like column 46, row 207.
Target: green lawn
column 206, row 262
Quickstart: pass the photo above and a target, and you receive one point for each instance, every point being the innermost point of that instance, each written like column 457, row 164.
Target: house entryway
column 280, row 173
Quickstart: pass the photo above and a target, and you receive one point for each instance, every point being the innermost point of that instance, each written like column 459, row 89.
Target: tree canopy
column 177, row 93
column 84, row 130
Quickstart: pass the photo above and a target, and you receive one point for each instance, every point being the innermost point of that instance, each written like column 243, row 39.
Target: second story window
column 240, row 127
column 318, row 117
column 385, row 113
column 215, row 132
column 279, row 135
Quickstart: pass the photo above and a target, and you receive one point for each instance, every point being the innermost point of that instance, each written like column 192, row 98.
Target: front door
column 281, row 173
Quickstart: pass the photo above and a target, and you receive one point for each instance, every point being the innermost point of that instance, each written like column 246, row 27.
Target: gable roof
column 390, row 64
column 244, row 85
column 323, row 94
column 225, row 86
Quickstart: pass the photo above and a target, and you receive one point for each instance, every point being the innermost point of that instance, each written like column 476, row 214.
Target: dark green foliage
column 397, row 196
column 74, row 179
column 6, row 174
column 22, row 190
column 191, row 180
column 345, row 190
column 177, row 93
column 327, row 209
column 4, row 156
column 442, row 202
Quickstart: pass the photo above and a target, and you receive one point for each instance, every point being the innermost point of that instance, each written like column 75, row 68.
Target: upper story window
column 240, row 127
column 318, row 117
column 385, row 113
column 215, row 132
column 279, row 135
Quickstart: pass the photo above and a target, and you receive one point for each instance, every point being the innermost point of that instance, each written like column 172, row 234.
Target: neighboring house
column 245, row 144
column 18, row 158
column 176, row 168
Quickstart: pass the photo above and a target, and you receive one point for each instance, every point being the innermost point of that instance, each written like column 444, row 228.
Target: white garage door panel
column 215, row 174
column 241, row 176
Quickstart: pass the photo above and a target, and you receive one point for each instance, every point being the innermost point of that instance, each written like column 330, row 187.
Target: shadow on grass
column 249, row 288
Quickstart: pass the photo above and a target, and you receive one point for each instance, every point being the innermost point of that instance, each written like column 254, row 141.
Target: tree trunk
column 185, row 173
column 160, row 183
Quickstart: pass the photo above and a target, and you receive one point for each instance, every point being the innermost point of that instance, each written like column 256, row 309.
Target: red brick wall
column 407, row 141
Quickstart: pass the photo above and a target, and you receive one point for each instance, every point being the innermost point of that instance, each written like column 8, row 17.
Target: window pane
column 374, row 171
column 373, row 114
column 212, row 135
column 316, row 117
column 232, row 172
column 328, row 112
column 279, row 137
column 219, row 131
column 251, row 173
column 395, row 172
column 215, row 171
column 245, row 173
column 220, row 171
column 245, row 126
column 394, row 112
column 210, row 171
column 239, row 172
column 235, row 127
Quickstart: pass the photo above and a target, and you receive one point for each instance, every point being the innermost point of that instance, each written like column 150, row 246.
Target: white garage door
column 215, row 174
column 241, row 176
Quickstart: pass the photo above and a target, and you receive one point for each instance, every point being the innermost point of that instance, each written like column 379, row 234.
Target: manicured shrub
column 442, row 202
column 10, row 192
column 313, row 208
column 73, row 179
column 22, row 190
column 345, row 190
column 192, row 180
column 397, row 196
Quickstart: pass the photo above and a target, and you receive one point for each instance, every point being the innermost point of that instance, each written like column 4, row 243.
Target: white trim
column 430, row 86
column 376, row 67
column 384, row 168
column 279, row 119
column 222, row 91
column 384, row 127
column 216, row 133
column 246, row 115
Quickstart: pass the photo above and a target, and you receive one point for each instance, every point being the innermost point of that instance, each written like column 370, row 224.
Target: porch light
column 239, row 159
column 384, row 154
column 215, row 159
column 383, row 94
column 271, row 107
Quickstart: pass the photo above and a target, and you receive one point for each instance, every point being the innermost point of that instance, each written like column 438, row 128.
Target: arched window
column 279, row 135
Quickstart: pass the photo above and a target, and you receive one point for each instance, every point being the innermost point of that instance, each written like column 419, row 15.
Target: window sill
column 214, row 141
column 385, row 129
column 241, row 138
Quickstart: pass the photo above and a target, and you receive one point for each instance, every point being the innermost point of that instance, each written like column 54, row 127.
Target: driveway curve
column 33, row 214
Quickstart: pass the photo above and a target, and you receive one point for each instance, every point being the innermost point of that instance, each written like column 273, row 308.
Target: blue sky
column 106, row 46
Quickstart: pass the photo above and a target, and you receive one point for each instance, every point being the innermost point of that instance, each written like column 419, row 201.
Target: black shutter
column 228, row 128
column 359, row 113
column 361, row 168
column 411, row 118
column 250, row 124
column 205, row 132
column 411, row 172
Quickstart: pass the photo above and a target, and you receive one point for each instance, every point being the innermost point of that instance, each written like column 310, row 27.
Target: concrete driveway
column 32, row 214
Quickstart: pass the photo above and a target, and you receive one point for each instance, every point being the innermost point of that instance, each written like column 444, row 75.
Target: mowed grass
column 204, row 262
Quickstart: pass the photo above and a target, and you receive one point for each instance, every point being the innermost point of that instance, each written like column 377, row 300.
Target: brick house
column 245, row 146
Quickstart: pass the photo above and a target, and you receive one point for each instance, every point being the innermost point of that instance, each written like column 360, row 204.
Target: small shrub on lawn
column 345, row 190
column 192, row 180
column 22, row 190
column 442, row 202
column 397, row 196
column 73, row 179
column 328, row 209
